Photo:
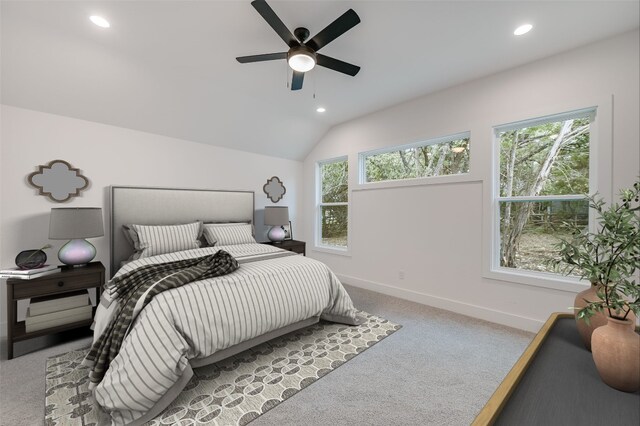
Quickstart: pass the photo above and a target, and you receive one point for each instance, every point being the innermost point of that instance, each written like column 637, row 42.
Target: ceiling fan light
column 301, row 62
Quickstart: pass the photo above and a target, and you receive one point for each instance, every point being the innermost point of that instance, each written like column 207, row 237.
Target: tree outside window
column 435, row 157
column 334, row 203
column 543, row 185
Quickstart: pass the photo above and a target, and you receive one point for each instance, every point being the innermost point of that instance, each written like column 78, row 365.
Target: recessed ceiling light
column 321, row 109
column 523, row 29
column 99, row 21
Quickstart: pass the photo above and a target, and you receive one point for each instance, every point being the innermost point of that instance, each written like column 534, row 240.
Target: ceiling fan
column 302, row 56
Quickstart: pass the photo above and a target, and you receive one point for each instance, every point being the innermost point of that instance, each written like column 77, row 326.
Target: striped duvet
column 271, row 289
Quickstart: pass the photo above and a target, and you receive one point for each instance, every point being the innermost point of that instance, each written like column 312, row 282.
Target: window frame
column 362, row 160
column 318, row 246
column 552, row 280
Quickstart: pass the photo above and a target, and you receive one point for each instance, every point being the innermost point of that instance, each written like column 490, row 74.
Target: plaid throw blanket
column 135, row 290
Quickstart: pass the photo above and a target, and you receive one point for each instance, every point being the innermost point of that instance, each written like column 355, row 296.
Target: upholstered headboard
column 169, row 206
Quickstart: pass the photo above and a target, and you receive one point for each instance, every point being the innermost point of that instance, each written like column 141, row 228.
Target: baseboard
column 491, row 315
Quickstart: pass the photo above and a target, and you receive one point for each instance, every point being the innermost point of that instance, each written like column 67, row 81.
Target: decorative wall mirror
column 274, row 188
column 58, row 180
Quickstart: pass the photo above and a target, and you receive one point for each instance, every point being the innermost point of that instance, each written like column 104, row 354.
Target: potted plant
column 610, row 259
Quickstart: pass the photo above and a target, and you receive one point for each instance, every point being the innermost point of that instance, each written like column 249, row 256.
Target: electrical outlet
column 401, row 274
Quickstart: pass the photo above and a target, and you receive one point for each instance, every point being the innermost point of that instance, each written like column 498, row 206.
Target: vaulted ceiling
column 168, row 67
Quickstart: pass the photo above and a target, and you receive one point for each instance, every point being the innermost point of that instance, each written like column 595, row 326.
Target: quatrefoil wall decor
column 274, row 188
column 58, row 180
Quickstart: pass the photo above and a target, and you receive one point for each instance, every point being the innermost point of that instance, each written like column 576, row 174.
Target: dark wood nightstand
column 290, row 245
column 68, row 280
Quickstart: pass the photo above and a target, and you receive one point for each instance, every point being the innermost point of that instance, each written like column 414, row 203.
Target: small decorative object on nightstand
column 32, row 259
column 76, row 224
column 276, row 217
column 290, row 245
column 49, row 288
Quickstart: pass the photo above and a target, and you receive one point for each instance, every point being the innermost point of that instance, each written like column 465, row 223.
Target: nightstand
column 68, row 280
column 290, row 245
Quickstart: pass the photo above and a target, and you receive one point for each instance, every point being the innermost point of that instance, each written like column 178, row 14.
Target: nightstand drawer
column 25, row 289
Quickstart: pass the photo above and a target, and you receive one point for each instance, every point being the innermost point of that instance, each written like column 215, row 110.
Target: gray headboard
column 169, row 206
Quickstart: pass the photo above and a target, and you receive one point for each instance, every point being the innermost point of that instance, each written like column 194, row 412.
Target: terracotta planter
column 616, row 352
column 597, row 320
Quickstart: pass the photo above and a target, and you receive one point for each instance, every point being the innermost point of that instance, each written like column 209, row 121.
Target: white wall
column 435, row 232
column 109, row 155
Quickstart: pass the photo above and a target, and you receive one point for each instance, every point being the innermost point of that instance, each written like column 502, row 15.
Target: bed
column 273, row 292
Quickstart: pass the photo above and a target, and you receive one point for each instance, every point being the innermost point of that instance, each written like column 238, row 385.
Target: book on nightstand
column 53, row 319
column 18, row 271
column 28, row 274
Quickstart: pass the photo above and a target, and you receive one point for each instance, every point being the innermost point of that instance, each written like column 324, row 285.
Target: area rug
column 232, row 392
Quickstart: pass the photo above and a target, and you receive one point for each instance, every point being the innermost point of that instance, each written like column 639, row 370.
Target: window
column 543, row 181
column 333, row 203
column 448, row 155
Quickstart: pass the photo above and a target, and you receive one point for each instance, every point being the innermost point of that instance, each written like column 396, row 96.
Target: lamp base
column 77, row 252
column 276, row 234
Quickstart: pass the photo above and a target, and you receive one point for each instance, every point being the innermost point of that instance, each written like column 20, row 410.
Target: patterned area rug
column 232, row 392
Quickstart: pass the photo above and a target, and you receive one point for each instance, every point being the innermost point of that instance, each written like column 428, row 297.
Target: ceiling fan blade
column 344, row 23
column 296, row 81
column 260, row 58
column 272, row 19
column 337, row 65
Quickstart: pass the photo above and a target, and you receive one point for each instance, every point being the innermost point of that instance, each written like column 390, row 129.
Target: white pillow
column 226, row 234
column 154, row 240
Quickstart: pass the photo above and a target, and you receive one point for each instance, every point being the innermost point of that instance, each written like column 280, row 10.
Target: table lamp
column 276, row 217
column 76, row 224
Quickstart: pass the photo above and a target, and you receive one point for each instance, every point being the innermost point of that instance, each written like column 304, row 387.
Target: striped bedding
column 271, row 289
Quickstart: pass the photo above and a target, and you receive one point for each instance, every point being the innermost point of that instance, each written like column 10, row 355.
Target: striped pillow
column 226, row 234
column 154, row 240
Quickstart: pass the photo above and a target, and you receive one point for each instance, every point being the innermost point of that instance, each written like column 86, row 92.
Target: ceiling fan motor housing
column 301, row 34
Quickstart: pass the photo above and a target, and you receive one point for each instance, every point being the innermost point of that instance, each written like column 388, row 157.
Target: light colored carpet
column 234, row 391
column 440, row 369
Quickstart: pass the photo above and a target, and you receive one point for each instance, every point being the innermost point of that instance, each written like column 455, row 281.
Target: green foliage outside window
column 334, row 189
column 550, row 159
column 448, row 158
column 335, row 182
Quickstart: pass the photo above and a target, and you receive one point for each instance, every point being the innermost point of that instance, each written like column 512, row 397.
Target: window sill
column 331, row 250
column 540, row 279
column 433, row 180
